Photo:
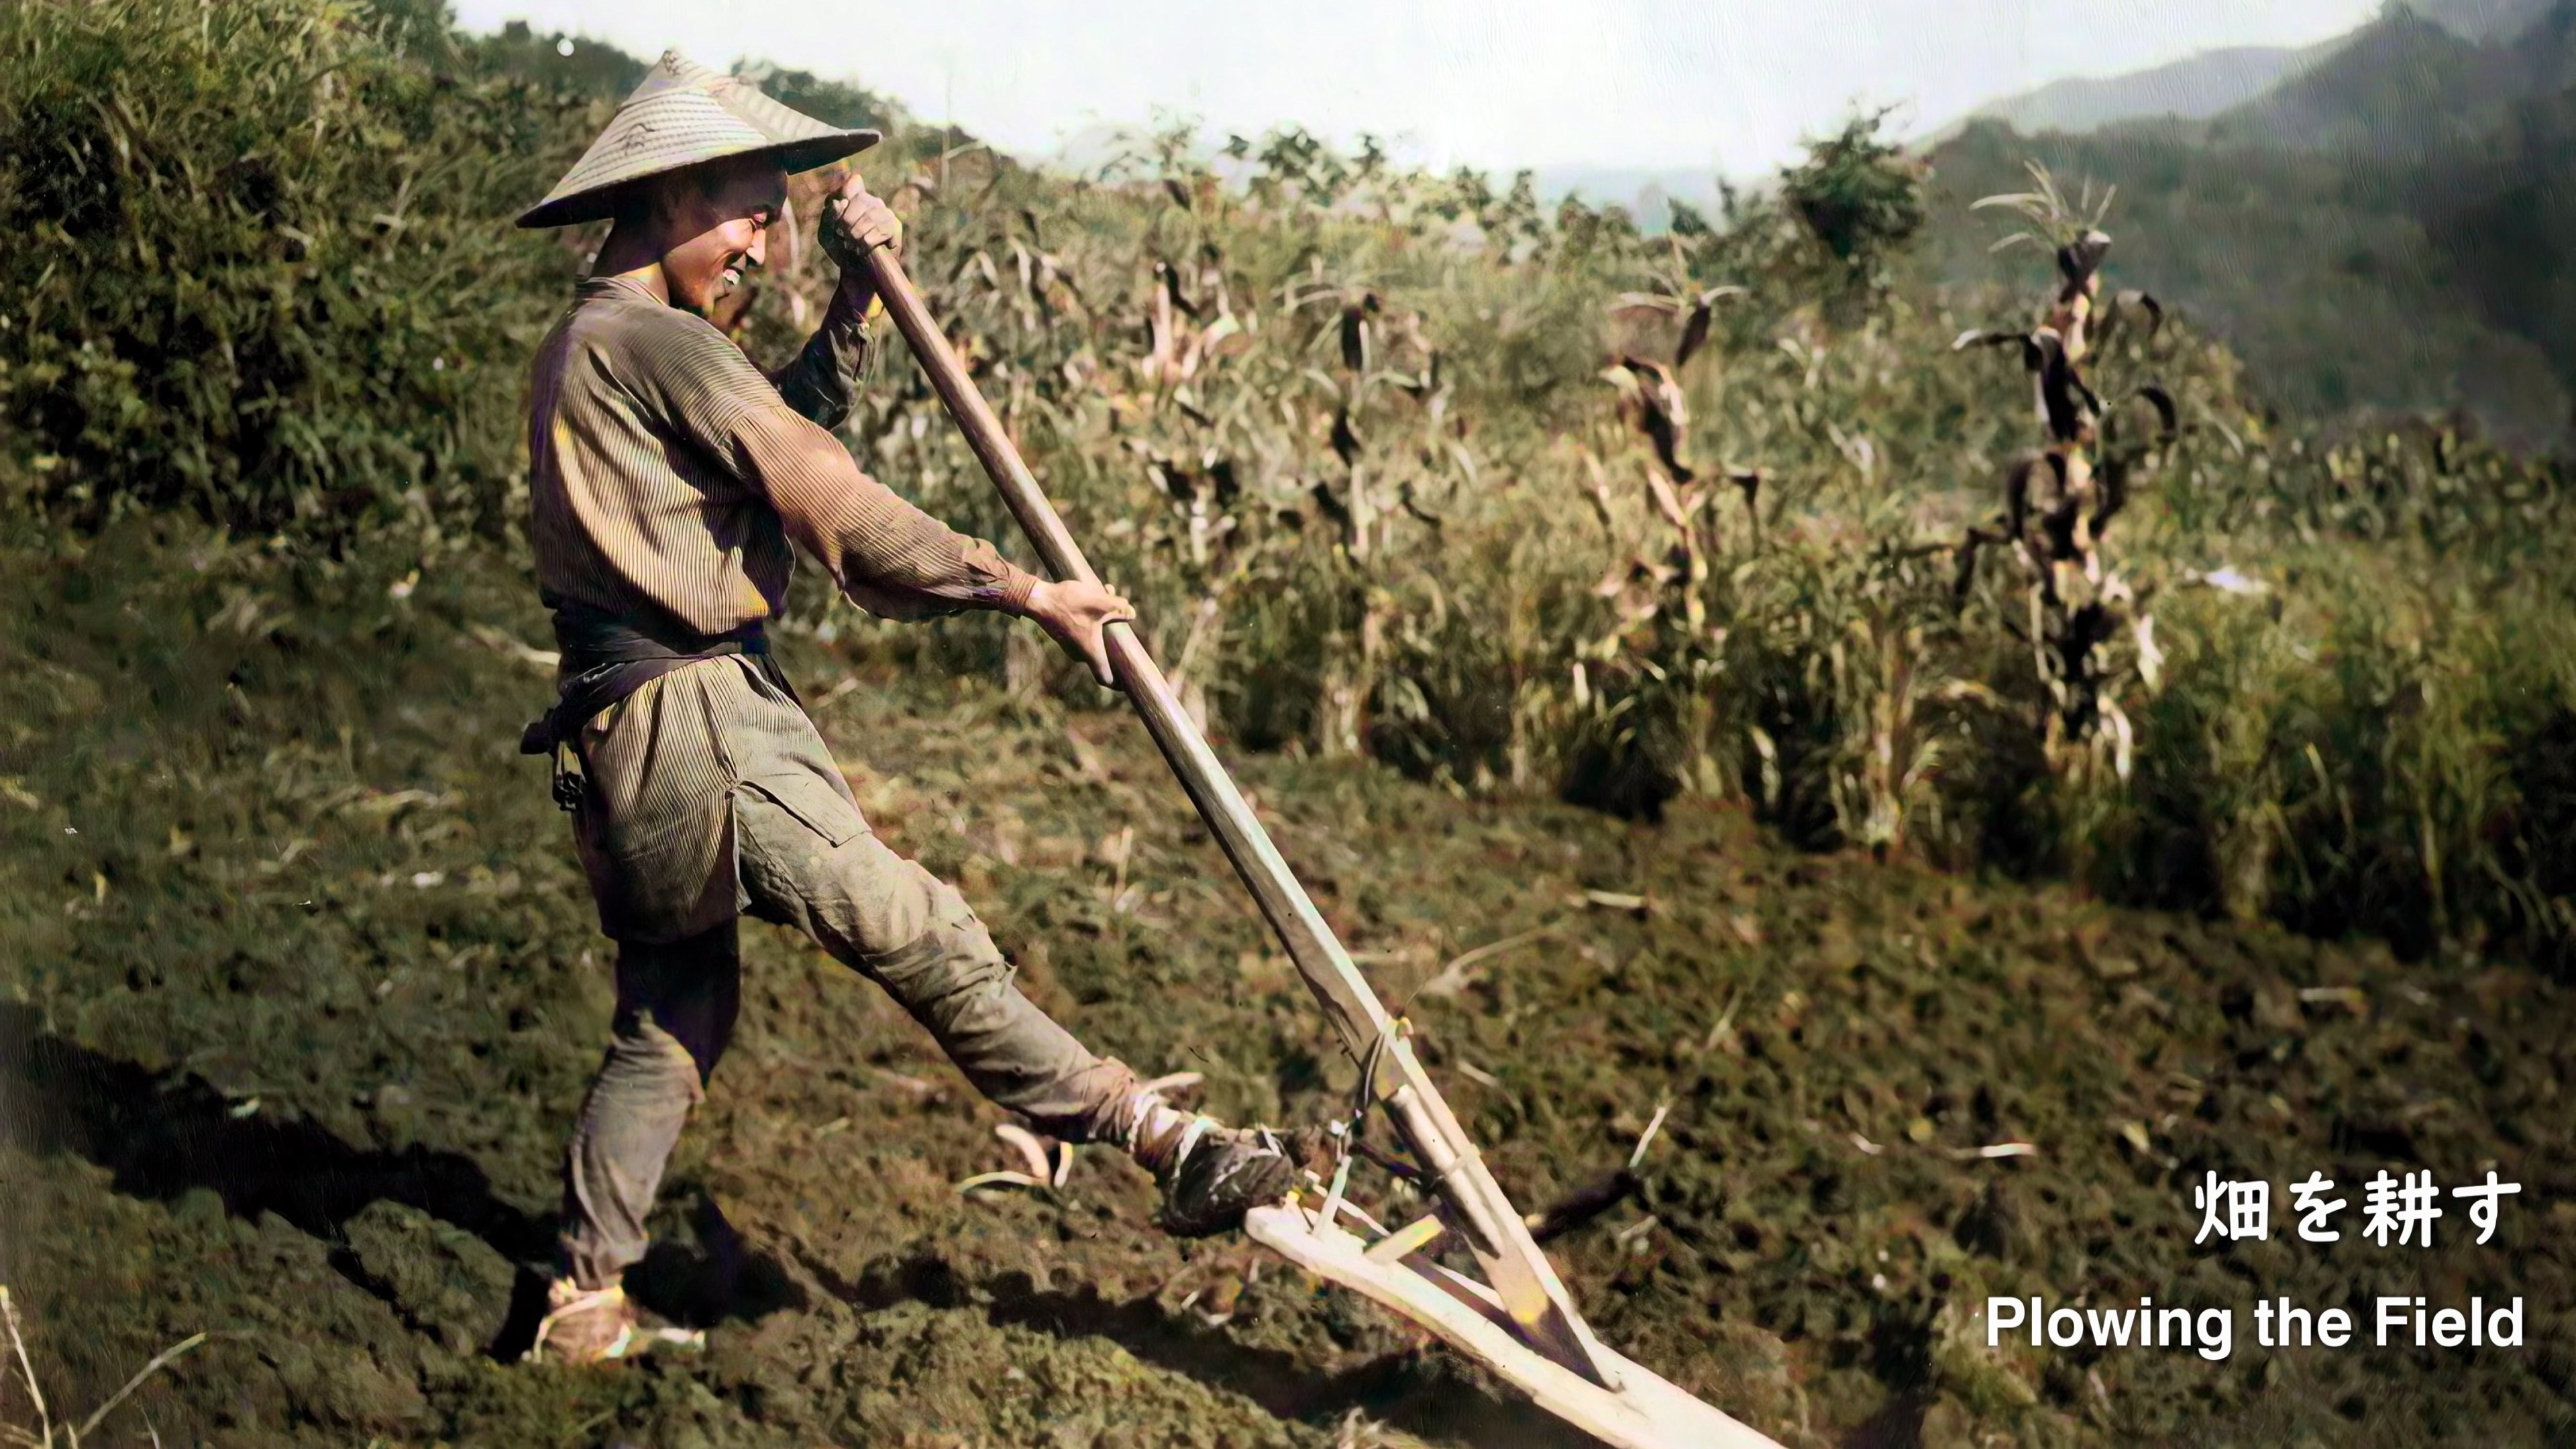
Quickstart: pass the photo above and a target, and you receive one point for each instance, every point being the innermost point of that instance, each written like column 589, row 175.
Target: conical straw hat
column 681, row 115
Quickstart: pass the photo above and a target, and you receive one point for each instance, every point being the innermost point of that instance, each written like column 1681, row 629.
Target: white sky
column 1727, row 85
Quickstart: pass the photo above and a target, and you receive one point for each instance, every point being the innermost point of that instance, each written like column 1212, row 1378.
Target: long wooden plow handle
column 1521, row 1273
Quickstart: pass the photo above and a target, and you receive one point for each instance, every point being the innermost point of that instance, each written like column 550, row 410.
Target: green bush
column 2379, row 753
column 265, row 272
column 1860, row 196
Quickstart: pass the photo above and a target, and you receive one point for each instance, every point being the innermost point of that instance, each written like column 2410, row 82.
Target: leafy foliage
column 263, row 280
column 1859, row 195
column 1400, row 465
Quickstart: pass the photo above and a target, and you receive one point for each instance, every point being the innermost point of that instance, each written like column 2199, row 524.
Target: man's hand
column 855, row 222
column 868, row 219
column 1074, row 614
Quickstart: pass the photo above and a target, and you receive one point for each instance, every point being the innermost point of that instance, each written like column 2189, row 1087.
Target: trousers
column 818, row 868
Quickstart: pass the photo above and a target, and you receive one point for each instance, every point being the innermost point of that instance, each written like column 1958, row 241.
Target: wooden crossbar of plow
column 1519, row 1322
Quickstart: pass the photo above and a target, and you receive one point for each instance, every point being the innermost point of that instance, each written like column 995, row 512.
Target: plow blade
column 1636, row 1411
column 1519, row 1322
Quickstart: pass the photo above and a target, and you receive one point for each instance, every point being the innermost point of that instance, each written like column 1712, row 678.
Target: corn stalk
column 2090, row 634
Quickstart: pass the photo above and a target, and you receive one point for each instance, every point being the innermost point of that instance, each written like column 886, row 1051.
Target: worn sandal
column 591, row 1326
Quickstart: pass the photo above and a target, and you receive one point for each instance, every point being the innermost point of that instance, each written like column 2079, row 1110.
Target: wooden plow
column 1519, row 1321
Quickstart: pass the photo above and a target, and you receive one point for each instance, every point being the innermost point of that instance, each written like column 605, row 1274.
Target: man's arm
column 887, row 556
column 898, row 562
column 822, row 383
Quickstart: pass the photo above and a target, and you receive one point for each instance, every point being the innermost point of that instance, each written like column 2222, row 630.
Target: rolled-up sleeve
column 886, row 555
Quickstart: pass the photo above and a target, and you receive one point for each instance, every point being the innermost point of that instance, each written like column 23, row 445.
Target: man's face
column 717, row 229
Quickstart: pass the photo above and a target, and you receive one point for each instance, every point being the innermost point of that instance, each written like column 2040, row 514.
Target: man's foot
column 584, row 1326
column 1212, row 1175
column 597, row 1325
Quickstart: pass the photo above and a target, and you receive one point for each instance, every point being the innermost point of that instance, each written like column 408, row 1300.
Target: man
column 669, row 477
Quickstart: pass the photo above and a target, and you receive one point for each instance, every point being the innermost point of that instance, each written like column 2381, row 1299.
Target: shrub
column 264, row 270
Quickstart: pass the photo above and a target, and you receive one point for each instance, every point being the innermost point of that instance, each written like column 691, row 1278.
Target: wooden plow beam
column 1519, row 1322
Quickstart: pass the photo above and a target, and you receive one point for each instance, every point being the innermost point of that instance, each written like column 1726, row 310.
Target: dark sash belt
column 607, row 657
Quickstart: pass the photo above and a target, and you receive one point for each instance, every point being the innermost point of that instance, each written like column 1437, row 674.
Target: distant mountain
column 2482, row 19
column 2193, row 88
column 2402, row 84
column 1647, row 192
column 2212, row 82
column 2382, row 230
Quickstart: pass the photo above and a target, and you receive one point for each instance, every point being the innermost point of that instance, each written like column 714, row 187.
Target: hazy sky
column 1728, row 85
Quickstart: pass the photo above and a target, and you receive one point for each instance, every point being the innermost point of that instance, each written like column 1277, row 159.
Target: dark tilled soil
column 301, row 987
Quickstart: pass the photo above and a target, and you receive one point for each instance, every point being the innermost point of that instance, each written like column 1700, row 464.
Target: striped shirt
column 668, row 477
